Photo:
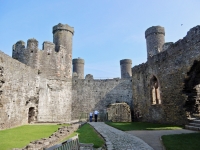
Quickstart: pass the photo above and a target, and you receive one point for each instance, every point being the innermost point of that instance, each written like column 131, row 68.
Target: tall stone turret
column 62, row 35
column 31, row 56
column 155, row 39
column 126, row 65
column 62, row 38
column 78, row 67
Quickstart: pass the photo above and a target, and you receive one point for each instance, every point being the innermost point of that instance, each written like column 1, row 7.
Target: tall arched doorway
column 155, row 91
column 31, row 114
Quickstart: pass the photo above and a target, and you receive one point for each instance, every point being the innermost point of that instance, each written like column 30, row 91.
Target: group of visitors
column 95, row 115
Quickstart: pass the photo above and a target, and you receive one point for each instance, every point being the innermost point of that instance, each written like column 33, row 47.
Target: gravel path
column 119, row 140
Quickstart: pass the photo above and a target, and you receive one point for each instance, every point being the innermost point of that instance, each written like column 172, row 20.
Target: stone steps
column 193, row 125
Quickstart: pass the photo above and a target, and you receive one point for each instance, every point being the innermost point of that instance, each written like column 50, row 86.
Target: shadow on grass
column 127, row 126
column 189, row 141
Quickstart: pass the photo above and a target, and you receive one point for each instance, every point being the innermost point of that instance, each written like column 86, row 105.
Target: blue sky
column 106, row 31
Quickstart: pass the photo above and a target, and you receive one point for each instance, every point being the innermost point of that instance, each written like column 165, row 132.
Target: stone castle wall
column 21, row 88
column 18, row 92
column 37, row 85
column 170, row 68
column 90, row 94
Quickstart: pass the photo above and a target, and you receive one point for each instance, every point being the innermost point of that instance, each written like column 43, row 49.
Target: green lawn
column 21, row 136
column 87, row 134
column 188, row 141
column 127, row 126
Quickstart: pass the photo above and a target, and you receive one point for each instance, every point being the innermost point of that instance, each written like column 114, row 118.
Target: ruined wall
column 18, row 92
column 171, row 68
column 27, row 97
column 90, row 94
column 119, row 112
column 47, row 61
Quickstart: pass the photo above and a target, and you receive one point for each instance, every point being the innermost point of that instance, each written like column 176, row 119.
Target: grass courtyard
column 87, row 134
column 189, row 141
column 21, row 136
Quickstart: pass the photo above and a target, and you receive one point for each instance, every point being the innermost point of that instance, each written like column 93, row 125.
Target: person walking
column 96, row 115
column 91, row 116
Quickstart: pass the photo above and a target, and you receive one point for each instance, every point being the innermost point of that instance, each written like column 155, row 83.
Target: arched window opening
column 155, row 91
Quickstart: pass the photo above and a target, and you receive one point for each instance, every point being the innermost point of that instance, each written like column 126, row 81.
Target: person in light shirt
column 91, row 116
column 96, row 115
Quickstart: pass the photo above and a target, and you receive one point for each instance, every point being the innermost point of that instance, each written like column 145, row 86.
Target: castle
column 41, row 86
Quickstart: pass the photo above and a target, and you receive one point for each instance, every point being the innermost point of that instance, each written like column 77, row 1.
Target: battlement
column 32, row 43
column 78, row 61
column 18, row 44
column 49, row 46
column 154, row 30
column 65, row 27
column 125, row 61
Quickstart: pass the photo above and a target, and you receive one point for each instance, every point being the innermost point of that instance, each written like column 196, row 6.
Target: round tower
column 62, row 35
column 126, row 65
column 62, row 38
column 155, row 39
column 78, row 67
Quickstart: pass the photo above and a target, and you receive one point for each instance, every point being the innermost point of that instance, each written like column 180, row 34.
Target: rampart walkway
column 119, row 140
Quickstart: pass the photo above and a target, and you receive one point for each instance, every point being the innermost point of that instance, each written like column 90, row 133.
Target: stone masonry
column 119, row 112
column 166, row 87
column 37, row 85
column 40, row 86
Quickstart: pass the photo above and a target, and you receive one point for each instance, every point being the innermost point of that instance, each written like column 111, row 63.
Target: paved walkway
column 119, row 140
column 153, row 138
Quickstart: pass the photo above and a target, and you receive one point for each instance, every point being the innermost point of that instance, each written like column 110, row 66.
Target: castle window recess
column 155, row 91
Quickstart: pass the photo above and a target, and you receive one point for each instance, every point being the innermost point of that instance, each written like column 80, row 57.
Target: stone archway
column 155, row 91
column 31, row 114
column 192, row 90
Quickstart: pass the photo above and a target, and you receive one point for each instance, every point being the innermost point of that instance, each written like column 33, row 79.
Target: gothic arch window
column 155, row 91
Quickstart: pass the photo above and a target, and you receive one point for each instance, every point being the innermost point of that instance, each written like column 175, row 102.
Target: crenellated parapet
column 55, row 59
